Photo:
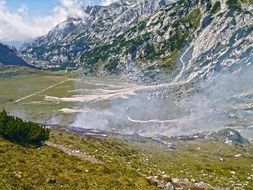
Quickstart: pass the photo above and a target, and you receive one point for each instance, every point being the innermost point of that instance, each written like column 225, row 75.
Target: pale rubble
column 165, row 182
column 73, row 152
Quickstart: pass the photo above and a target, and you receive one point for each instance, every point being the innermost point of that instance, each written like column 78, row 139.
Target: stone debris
column 18, row 174
column 228, row 136
column 164, row 182
column 238, row 155
column 51, row 180
column 76, row 153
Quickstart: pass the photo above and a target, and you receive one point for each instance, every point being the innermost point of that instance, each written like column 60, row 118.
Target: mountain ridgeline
column 145, row 39
column 8, row 56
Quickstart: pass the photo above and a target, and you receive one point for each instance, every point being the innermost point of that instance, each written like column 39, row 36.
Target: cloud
column 23, row 10
column 108, row 2
column 18, row 26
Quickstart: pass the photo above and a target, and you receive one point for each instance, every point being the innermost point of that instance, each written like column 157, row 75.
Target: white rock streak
column 36, row 93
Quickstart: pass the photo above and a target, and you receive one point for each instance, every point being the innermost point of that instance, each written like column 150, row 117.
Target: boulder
column 51, row 180
column 228, row 136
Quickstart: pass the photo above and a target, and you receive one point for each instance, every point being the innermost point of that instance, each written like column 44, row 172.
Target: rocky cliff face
column 146, row 38
column 8, row 56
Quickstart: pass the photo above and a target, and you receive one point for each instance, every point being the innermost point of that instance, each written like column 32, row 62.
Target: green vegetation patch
column 19, row 131
column 247, row 1
column 170, row 60
column 216, row 7
column 194, row 17
column 234, row 5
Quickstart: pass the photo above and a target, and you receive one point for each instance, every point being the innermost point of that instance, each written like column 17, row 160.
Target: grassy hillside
column 25, row 168
column 123, row 162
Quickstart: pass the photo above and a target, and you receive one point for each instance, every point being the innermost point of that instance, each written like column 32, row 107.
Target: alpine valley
column 135, row 95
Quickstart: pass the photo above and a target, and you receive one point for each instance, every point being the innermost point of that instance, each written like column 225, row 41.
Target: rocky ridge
column 147, row 39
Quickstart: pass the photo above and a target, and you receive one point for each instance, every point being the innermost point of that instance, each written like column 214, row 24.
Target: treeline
column 22, row 132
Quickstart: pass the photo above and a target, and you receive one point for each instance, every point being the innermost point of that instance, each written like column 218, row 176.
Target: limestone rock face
column 147, row 38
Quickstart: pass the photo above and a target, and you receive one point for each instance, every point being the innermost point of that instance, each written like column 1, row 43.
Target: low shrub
column 22, row 132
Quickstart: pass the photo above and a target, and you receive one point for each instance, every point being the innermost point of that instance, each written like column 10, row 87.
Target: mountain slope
column 9, row 56
column 70, row 39
column 125, row 163
column 148, row 37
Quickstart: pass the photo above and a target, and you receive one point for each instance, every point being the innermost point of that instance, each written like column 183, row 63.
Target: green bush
column 19, row 131
column 233, row 5
column 216, row 7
